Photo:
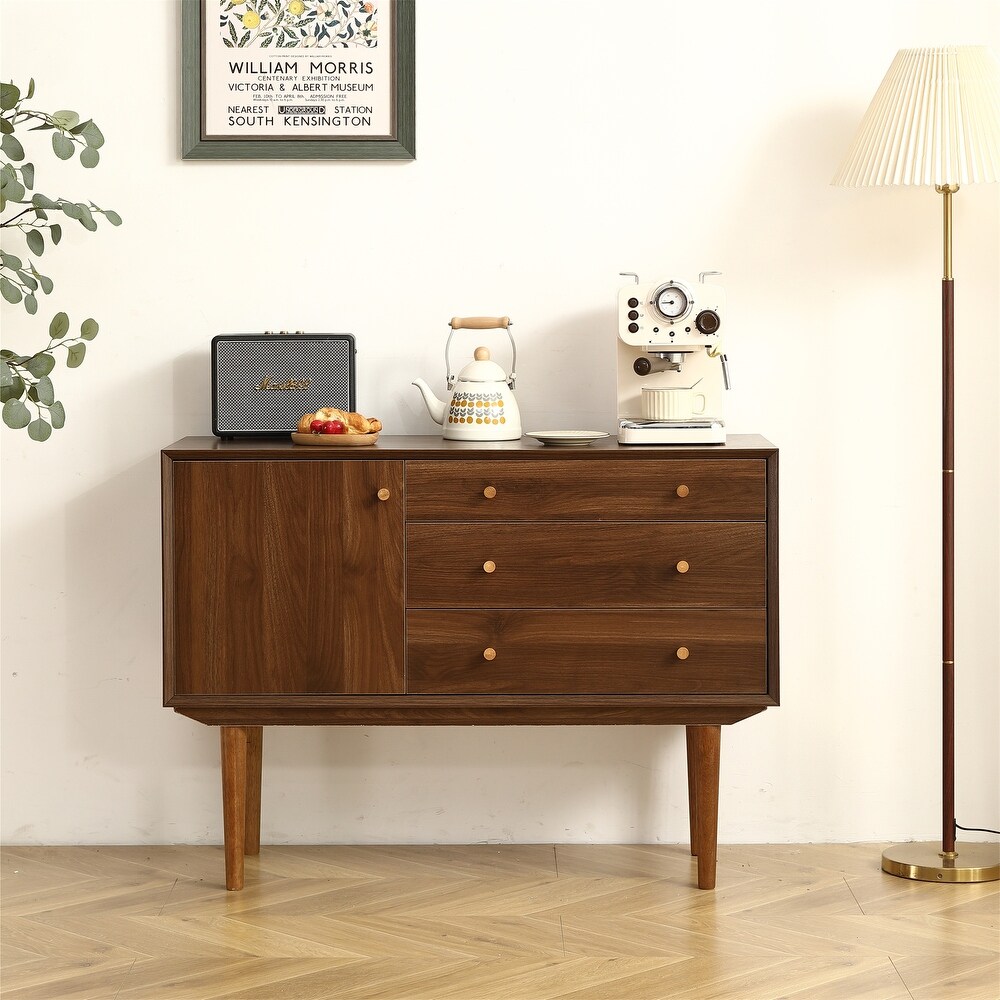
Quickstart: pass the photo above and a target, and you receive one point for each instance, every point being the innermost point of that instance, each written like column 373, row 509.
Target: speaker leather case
column 262, row 384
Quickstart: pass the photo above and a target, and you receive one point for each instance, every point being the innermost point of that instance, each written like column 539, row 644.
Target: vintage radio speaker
column 263, row 383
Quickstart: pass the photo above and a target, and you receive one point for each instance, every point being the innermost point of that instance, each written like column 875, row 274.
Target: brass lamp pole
column 935, row 119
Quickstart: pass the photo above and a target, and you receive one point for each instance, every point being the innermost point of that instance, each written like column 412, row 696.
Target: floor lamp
column 935, row 121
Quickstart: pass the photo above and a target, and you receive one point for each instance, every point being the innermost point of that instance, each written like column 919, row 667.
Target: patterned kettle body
column 481, row 406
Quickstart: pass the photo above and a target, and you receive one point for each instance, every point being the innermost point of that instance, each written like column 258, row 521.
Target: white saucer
column 568, row 439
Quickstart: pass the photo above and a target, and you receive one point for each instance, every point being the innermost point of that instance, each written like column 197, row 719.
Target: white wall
column 558, row 144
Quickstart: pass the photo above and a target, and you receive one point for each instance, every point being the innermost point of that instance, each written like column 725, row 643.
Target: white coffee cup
column 672, row 404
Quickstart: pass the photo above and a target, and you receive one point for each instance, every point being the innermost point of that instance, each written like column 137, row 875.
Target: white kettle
column 482, row 405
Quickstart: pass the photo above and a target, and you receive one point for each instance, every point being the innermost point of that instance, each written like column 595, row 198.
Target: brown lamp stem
column 933, row 862
column 948, row 535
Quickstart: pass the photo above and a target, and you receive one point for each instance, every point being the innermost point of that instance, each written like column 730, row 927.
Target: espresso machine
column 671, row 370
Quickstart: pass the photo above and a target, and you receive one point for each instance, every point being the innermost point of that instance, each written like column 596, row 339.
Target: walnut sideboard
column 429, row 582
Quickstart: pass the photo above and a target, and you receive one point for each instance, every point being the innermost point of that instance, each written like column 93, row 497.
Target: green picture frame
column 401, row 145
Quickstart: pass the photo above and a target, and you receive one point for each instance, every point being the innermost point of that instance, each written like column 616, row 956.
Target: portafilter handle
column 480, row 323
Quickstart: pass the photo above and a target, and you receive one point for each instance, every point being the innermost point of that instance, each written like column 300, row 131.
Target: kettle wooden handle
column 480, row 322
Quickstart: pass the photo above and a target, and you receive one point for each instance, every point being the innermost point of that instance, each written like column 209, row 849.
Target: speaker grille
column 245, row 368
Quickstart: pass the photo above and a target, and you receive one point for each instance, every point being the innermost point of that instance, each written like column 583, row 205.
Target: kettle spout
column 435, row 406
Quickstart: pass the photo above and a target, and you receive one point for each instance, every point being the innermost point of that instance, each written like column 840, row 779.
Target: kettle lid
column 482, row 369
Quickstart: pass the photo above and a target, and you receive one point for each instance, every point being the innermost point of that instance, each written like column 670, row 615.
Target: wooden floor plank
column 488, row 922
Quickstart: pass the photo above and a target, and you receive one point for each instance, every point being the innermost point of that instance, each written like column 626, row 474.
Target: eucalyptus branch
column 10, row 221
column 24, row 378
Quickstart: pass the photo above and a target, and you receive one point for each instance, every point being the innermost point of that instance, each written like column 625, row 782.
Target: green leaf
column 10, row 291
column 16, row 414
column 46, row 394
column 13, row 391
column 28, row 175
column 70, row 209
column 31, row 89
column 57, row 414
column 55, row 233
column 86, row 219
column 12, row 148
column 13, row 190
column 89, row 328
column 28, row 279
column 77, row 352
column 32, row 394
column 41, row 364
column 61, row 146
column 42, row 201
column 113, row 217
column 46, row 283
column 6, row 375
column 90, row 134
column 36, row 242
column 9, row 96
column 40, row 213
column 31, row 304
column 89, row 157
column 66, row 119
column 59, row 326
column 5, row 126
column 44, row 127
column 9, row 260
column 39, row 430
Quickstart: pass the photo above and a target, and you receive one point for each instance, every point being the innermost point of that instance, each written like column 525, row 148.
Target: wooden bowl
column 334, row 440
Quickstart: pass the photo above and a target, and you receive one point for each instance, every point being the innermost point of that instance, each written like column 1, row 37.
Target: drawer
column 586, row 490
column 586, row 652
column 590, row 565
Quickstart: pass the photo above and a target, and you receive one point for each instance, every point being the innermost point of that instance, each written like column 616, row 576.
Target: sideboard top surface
column 405, row 447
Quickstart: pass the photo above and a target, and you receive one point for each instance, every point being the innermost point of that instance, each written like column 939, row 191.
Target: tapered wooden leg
column 234, row 801
column 692, row 751
column 705, row 741
column 255, row 754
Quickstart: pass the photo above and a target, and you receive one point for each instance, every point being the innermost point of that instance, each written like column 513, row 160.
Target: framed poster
column 298, row 79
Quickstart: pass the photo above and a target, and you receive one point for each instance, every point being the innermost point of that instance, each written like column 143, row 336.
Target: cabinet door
column 287, row 577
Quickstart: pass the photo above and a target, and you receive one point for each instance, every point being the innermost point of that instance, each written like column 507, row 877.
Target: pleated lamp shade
column 935, row 119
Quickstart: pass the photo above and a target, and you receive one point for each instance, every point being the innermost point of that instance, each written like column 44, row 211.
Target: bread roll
column 354, row 423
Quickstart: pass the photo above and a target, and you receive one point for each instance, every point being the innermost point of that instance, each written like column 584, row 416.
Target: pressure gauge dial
column 672, row 301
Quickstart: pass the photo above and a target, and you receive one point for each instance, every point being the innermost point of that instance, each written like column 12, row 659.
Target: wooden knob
column 490, row 492
column 383, row 494
column 489, row 653
column 682, row 490
column 481, row 354
column 489, row 566
column 682, row 567
column 683, row 652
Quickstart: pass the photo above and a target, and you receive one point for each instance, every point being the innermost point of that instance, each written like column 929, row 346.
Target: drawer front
column 586, row 652
column 586, row 490
column 660, row 565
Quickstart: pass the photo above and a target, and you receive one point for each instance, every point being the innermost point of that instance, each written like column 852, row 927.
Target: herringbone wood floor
column 476, row 923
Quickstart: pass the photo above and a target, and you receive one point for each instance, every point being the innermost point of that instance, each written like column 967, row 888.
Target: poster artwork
column 297, row 69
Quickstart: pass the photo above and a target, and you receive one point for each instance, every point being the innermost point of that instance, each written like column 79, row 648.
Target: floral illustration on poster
column 298, row 23
column 299, row 78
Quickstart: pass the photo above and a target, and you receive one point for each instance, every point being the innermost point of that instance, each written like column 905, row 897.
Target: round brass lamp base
column 927, row 863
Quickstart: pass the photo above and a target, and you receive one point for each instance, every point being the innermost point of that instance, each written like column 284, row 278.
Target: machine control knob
column 708, row 322
column 633, row 328
column 632, row 314
column 633, row 303
column 642, row 366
